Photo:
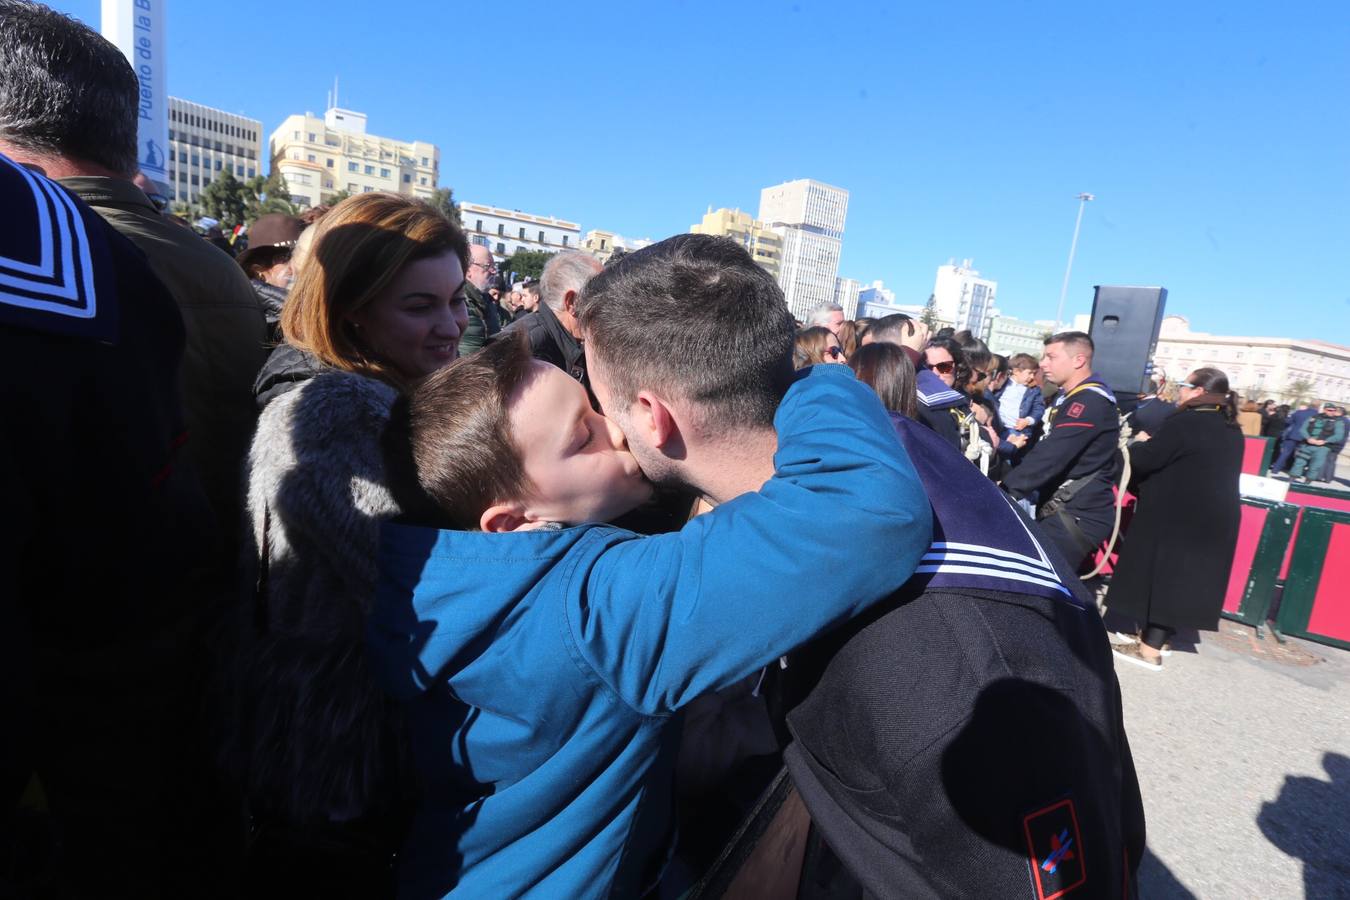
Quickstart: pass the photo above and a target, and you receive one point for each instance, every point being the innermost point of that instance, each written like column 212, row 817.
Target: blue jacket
column 1294, row 427
column 542, row 671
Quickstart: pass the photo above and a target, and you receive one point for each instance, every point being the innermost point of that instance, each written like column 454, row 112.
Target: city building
column 963, row 297
column 1008, row 335
column 318, row 157
column 604, row 244
column 1283, row 369
column 846, row 291
column 509, row 231
column 809, row 217
column 203, row 141
column 763, row 245
column 877, row 301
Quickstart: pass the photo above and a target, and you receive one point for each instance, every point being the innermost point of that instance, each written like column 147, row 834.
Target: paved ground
column 1243, row 753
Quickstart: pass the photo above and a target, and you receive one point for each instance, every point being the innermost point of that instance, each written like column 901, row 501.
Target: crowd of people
column 347, row 567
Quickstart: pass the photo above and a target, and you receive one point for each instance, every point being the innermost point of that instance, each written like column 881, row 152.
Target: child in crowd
column 541, row 660
column 1020, row 404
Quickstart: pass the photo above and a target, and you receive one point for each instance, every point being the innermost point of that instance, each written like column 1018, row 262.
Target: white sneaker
column 1118, row 638
column 1131, row 654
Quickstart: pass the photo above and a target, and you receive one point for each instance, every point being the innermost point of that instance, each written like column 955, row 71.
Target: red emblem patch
column 1055, row 849
column 1076, row 410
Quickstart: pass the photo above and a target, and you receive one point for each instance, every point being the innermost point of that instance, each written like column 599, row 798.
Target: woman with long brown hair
column 1173, row 570
column 887, row 370
column 320, row 755
column 816, row 346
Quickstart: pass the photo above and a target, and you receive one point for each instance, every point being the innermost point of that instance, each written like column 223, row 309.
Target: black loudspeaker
column 1125, row 323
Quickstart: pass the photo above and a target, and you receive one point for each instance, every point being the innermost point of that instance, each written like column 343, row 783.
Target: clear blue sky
column 1214, row 134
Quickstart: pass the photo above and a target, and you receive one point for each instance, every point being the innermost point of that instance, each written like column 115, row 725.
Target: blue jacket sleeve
column 1033, row 404
column 667, row 618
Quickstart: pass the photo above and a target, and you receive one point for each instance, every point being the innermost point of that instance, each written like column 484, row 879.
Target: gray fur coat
column 322, row 736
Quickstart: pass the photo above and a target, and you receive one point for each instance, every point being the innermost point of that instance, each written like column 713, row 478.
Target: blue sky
column 1214, row 135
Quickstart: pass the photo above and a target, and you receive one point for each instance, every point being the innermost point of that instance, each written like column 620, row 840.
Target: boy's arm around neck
column 841, row 524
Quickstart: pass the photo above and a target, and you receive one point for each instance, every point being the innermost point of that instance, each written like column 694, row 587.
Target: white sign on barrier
column 1262, row 488
column 136, row 27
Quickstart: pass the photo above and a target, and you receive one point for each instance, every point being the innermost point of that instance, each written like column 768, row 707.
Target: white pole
column 1073, row 247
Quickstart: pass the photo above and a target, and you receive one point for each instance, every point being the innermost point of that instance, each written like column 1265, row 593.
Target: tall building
column 846, row 292
column 604, row 244
column 877, row 301
column 809, row 217
column 508, row 231
column 204, row 141
column 963, row 297
column 763, row 245
column 318, row 157
column 1285, row 369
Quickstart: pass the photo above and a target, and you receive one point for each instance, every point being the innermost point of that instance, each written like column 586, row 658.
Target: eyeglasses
column 490, row 267
column 944, row 368
column 1187, row 384
column 835, row 352
column 159, row 201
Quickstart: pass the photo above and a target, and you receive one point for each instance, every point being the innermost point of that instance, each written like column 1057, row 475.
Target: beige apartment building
column 604, row 244
column 1283, row 369
column 318, row 157
column 763, row 245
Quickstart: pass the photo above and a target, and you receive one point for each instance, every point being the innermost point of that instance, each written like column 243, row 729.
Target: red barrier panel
column 1249, row 536
column 1256, row 453
column 1331, row 604
column 1316, row 498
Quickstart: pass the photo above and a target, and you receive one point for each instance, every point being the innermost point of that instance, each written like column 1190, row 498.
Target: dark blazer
column 1173, row 568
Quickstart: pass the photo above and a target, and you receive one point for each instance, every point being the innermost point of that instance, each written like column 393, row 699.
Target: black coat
column 1175, row 563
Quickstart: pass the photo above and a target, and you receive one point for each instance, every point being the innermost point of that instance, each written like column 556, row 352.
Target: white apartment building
column 963, row 297
column 1008, row 335
column 318, row 157
column 809, row 216
column 1258, row 368
column 204, row 141
column 846, row 291
column 508, row 231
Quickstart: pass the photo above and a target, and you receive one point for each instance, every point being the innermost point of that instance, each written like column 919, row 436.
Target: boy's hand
column 1023, row 422
column 1017, row 440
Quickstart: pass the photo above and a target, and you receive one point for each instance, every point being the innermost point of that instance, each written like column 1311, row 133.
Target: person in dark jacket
column 1173, row 568
column 1070, row 473
column 267, row 263
column 1151, row 412
column 1289, row 438
column 942, row 406
column 552, row 329
column 106, row 528
column 484, row 320
column 1318, row 436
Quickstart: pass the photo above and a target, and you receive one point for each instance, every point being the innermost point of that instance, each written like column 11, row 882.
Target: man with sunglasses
column 1070, row 473
column 484, row 321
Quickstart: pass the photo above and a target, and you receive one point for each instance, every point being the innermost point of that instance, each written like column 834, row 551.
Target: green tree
column 1299, row 391
column 225, row 199
column 335, row 197
column 526, row 263
column 929, row 316
column 268, row 195
column 444, row 200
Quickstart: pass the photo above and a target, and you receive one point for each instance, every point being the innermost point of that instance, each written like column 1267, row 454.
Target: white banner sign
column 136, row 27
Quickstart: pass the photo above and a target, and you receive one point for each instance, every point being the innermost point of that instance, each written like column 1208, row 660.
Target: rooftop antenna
column 335, row 92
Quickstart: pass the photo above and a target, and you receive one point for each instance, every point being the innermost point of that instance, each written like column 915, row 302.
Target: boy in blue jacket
column 542, row 660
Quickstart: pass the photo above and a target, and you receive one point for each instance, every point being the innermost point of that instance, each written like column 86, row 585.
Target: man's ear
column 656, row 422
column 504, row 517
column 570, row 302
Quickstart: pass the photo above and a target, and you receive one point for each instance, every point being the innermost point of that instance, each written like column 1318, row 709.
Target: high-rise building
column 508, row 231
column 963, row 298
column 877, row 301
column 204, row 141
column 1008, row 335
column 763, row 245
column 846, row 292
column 809, row 217
column 318, row 157
column 604, row 244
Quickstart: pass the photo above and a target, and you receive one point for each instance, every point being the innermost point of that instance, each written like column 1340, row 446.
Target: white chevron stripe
column 45, row 266
column 984, row 560
column 978, row 570
column 71, row 284
column 1042, row 563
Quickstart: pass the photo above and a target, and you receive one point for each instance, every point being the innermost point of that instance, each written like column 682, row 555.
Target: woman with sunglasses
column 1174, row 568
column 816, row 346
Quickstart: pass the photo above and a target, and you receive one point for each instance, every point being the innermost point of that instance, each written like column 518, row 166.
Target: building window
column 329, row 162
column 310, row 158
column 311, row 137
column 351, row 188
column 182, row 156
column 522, row 233
column 295, row 135
column 501, row 249
column 182, row 175
column 196, row 181
column 353, row 167
column 367, row 189
column 217, row 165
column 251, row 172
column 501, row 229
column 407, row 179
column 564, row 240
column 541, row 238
column 370, row 170
column 239, row 171
column 602, row 243
column 479, row 226
column 422, row 180
column 384, row 173
column 425, row 161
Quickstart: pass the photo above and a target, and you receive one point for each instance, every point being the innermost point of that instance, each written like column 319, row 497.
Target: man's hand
column 917, row 336
column 981, row 414
column 1141, row 437
column 1017, row 440
column 1024, row 422
column 1316, row 442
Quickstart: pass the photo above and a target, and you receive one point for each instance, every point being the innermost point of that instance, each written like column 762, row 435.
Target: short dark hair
column 893, row 328
column 65, row 90
column 886, row 368
column 1080, row 341
column 459, row 425
column 1023, row 361
column 657, row 314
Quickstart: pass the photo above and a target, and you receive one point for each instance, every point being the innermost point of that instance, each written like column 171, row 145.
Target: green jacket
column 226, row 337
column 484, row 321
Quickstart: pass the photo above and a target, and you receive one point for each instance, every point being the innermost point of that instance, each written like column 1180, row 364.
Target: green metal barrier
column 1316, row 601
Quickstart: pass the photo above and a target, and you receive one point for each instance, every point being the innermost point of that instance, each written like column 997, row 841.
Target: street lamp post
column 1073, row 247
